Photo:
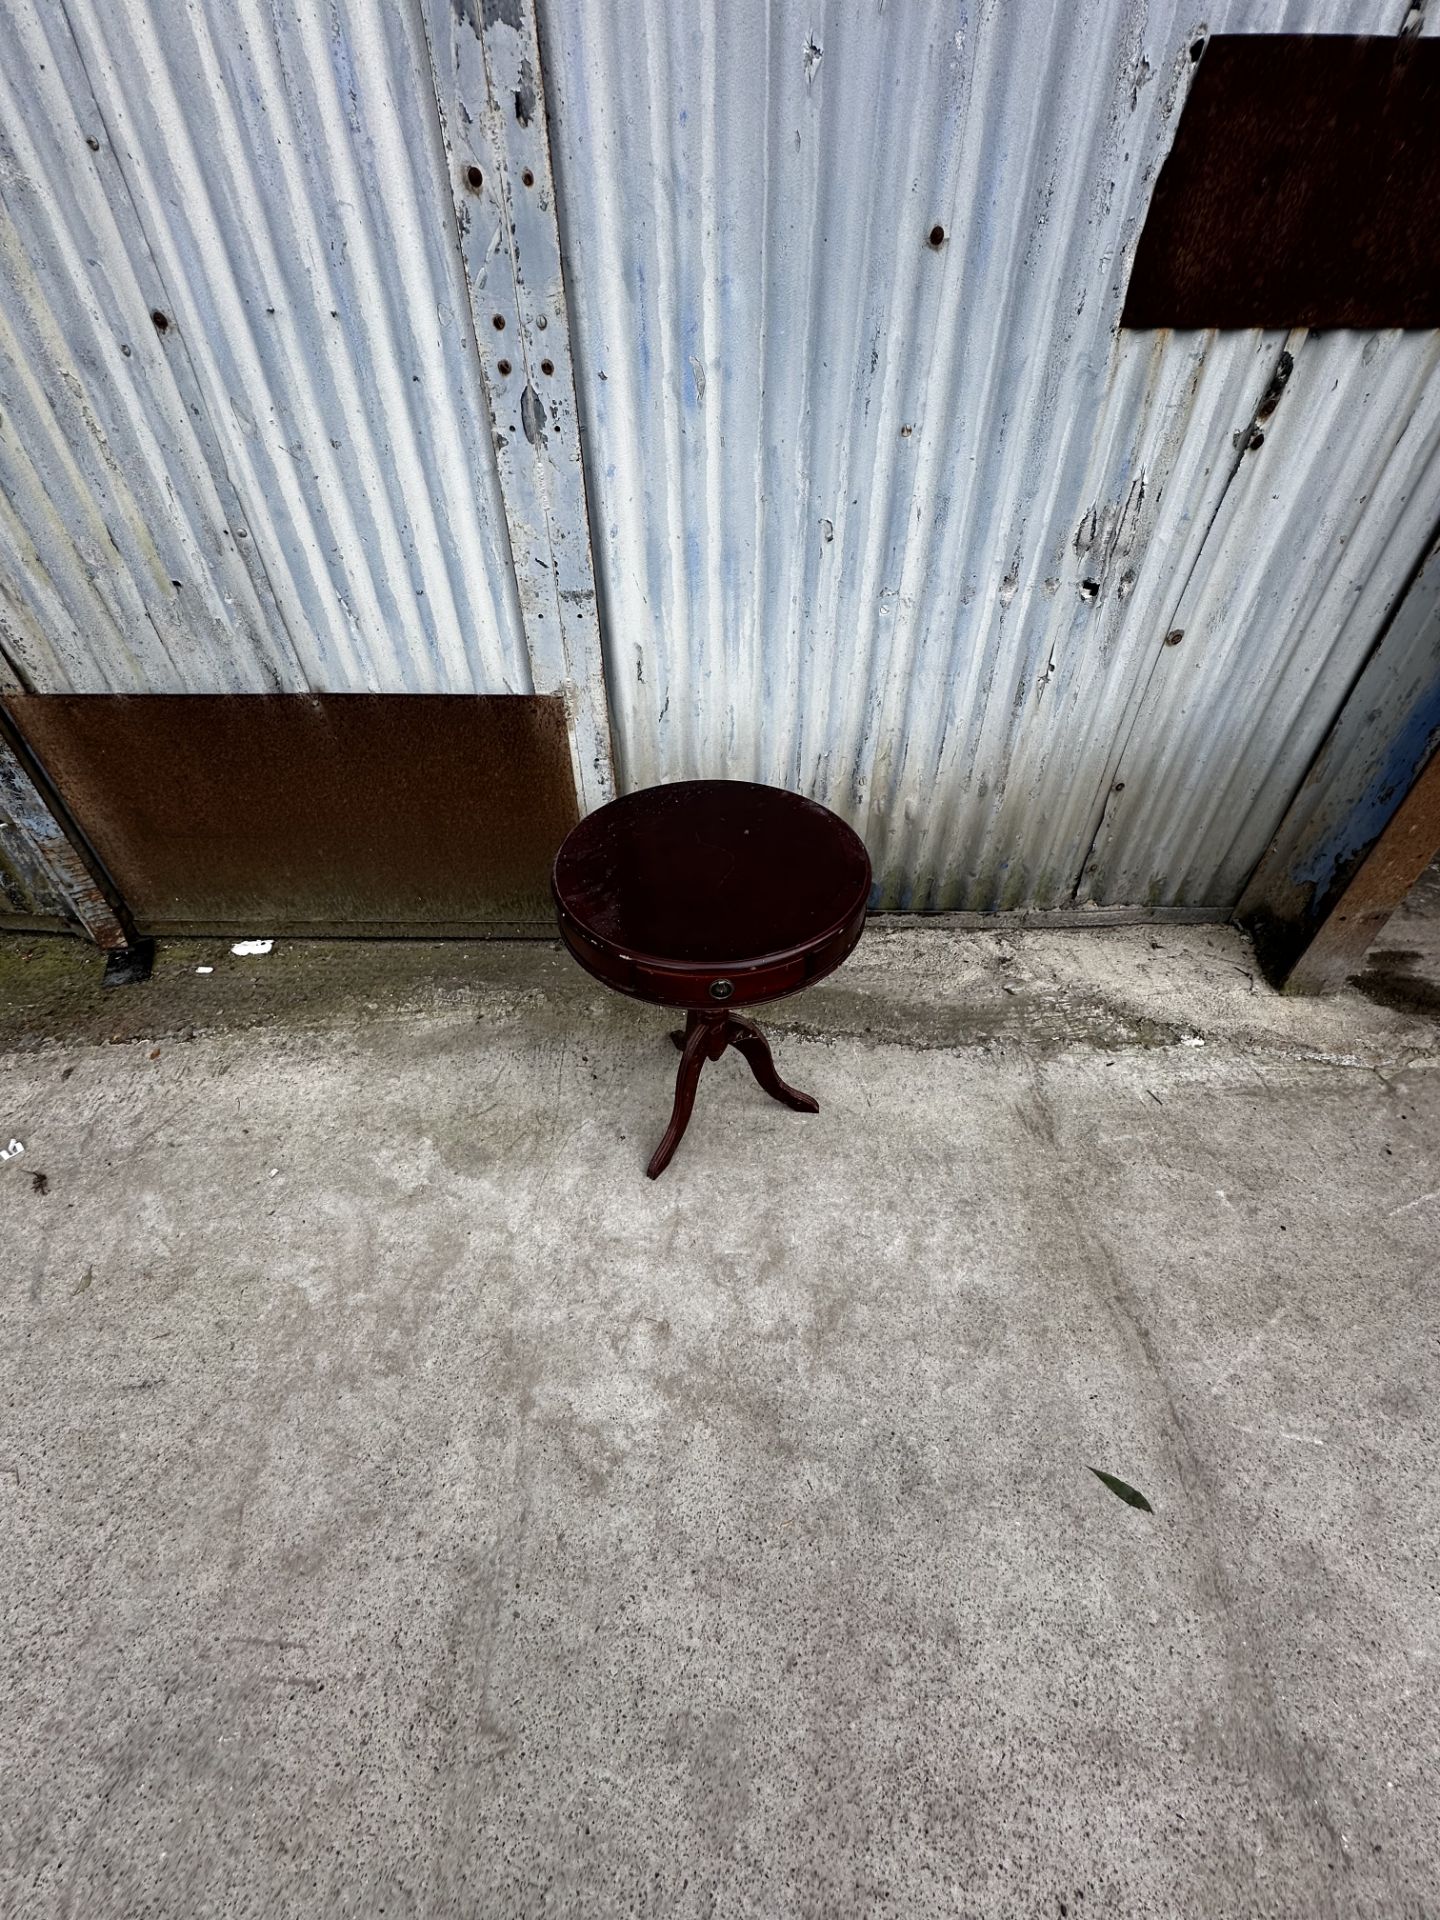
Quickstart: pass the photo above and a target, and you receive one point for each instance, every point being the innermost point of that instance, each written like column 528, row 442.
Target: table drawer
column 746, row 984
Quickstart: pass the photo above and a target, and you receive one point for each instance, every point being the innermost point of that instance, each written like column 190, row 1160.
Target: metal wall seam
column 486, row 72
column 886, row 506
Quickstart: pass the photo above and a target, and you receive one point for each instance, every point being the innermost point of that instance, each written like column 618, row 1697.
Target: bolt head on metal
column 721, row 989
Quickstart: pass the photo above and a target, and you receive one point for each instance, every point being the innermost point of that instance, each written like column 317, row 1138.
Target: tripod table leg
column 694, row 1049
column 745, row 1035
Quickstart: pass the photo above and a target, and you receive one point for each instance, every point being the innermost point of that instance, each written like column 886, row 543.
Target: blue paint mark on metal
column 1355, row 833
column 1386, row 732
column 640, row 308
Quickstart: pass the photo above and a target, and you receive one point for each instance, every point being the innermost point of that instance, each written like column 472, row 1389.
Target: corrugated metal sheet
column 885, row 505
column 1317, row 538
column 42, row 876
column 29, row 891
column 1388, row 730
column 897, row 516
column 285, row 478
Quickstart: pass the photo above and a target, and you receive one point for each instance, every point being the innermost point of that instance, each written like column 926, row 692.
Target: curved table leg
column 695, row 1048
column 745, row 1035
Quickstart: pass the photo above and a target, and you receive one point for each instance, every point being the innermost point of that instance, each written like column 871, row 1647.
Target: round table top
column 712, row 873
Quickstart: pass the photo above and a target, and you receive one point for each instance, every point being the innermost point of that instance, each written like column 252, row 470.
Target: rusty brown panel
column 306, row 812
column 1303, row 189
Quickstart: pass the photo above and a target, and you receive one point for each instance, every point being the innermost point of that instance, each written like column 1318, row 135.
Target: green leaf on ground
column 1122, row 1490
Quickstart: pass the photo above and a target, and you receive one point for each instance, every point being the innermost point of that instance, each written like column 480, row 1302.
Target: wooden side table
column 712, row 895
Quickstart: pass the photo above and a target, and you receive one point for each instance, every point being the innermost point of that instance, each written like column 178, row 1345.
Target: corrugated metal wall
column 30, row 894
column 287, row 479
column 1316, row 539
column 907, row 525
column 44, row 881
column 1384, row 738
column 893, row 515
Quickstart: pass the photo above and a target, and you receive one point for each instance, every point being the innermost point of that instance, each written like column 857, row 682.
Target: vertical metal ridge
column 756, row 697
column 702, row 355
column 616, row 441
column 790, row 549
column 1006, row 415
column 898, row 419
column 668, row 515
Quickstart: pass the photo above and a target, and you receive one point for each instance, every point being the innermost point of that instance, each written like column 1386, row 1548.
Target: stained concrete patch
column 411, row 1509
column 1402, row 969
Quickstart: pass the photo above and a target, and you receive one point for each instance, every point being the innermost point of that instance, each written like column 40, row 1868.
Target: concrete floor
column 1402, row 969
column 408, row 1509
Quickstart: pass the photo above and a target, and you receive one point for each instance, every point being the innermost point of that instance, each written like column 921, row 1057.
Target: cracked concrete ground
column 410, row 1509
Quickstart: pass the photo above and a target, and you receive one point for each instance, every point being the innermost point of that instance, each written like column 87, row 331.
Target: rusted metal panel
column 887, row 506
column 1303, row 189
column 43, row 876
column 280, row 813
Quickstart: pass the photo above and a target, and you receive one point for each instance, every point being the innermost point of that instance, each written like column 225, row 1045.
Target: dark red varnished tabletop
column 667, row 890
